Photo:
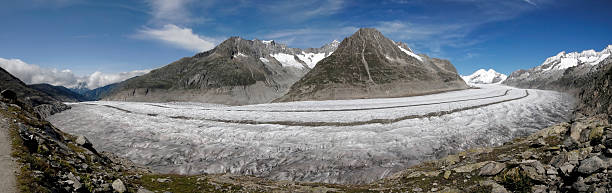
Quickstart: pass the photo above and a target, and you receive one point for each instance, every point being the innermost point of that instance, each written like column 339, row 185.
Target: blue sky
column 117, row 39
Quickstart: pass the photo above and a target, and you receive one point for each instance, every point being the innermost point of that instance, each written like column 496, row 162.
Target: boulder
column 495, row 187
column 447, row 174
column 576, row 129
column 566, row 169
column 118, row 186
column 492, row 169
column 83, row 141
column 469, row 167
column 580, row 186
column 591, row 165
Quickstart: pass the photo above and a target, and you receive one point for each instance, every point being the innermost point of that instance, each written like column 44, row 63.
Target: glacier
column 338, row 141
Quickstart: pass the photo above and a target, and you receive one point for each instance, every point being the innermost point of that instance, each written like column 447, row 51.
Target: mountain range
column 236, row 72
column 240, row 71
column 560, row 70
column 59, row 93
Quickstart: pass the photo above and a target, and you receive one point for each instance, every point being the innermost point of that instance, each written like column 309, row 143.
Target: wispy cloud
column 530, row 2
column 174, row 11
column 179, row 37
column 34, row 74
column 302, row 10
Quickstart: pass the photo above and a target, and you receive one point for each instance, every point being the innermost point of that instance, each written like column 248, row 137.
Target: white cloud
column 34, row 74
column 180, row 37
column 99, row 79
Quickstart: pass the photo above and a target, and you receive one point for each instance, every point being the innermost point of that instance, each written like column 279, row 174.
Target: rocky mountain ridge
column 236, row 72
column 60, row 93
column 560, row 70
column 40, row 102
column 368, row 65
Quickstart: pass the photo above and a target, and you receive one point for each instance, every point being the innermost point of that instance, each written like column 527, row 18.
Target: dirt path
column 7, row 165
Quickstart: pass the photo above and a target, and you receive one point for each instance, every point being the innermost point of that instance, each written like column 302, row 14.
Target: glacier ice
column 189, row 138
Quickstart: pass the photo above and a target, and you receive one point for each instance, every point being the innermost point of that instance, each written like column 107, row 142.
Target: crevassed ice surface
column 277, row 141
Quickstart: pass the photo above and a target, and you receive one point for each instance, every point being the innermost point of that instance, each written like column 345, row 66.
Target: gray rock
column 538, row 189
column 601, row 190
column 580, row 186
column 496, row 188
column 538, row 143
column 492, row 169
column 105, row 187
column 142, row 190
column 83, row 141
column 591, row 165
column 118, row 186
column 566, row 169
column 576, row 130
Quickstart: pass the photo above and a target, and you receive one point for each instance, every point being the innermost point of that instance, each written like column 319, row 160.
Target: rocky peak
column 368, row 65
column 371, row 41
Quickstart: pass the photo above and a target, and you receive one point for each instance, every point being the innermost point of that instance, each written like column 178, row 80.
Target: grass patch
column 184, row 183
column 516, row 180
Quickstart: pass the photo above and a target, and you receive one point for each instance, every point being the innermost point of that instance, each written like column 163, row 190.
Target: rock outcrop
column 368, row 65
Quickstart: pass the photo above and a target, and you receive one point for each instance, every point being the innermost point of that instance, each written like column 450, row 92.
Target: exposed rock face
column 596, row 92
column 561, row 71
column 236, row 72
column 59, row 93
column 368, row 65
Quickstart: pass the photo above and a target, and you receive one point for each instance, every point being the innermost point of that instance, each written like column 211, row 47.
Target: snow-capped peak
column 483, row 76
column 565, row 60
column 335, row 43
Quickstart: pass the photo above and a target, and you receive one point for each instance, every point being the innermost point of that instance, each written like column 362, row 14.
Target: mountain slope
column 59, row 93
column 368, row 65
column 559, row 71
column 41, row 103
column 236, row 72
column 483, row 76
column 99, row 93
